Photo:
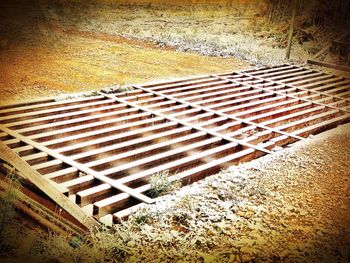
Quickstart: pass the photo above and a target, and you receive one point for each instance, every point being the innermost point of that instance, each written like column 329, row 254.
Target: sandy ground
column 79, row 63
column 84, row 63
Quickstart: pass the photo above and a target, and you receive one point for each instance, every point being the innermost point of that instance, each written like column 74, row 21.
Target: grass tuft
column 160, row 183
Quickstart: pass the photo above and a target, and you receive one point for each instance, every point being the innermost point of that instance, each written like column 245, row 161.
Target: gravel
column 292, row 206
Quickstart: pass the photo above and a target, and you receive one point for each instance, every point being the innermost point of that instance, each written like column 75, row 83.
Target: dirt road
column 65, row 61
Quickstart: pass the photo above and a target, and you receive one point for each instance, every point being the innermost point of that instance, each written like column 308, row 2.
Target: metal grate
column 102, row 149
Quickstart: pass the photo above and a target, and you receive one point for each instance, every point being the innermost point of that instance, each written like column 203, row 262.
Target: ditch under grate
column 100, row 150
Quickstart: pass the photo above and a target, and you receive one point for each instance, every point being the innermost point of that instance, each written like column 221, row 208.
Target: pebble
column 131, row 243
column 246, row 258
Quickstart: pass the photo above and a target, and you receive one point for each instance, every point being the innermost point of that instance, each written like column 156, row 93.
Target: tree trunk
column 291, row 30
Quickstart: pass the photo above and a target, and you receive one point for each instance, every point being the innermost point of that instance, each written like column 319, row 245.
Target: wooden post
column 46, row 186
column 291, row 30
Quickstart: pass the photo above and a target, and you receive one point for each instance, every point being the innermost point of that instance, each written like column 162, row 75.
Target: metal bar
column 216, row 112
column 291, row 96
column 196, row 127
column 80, row 167
column 301, row 88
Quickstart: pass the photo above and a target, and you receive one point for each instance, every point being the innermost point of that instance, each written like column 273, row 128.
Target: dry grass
column 9, row 227
column 236, row 30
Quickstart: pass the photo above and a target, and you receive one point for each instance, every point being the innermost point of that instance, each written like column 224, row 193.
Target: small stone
column 247, row 250
column 245, row 215
column 284, row 253
column 343, row 207
column 246, row 258
column 131, row 243
column 303, row 212
column 319, row 233
column 240, row 213
column 232, row 258
column 277, row 149
column 305, row 229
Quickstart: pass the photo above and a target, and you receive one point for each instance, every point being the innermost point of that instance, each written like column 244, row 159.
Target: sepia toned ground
column 43, row 58
column 52, row 48
column 83, row 62
column 87, row 64
column 290, row 207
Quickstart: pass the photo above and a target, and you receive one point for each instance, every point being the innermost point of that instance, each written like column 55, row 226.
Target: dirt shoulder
column 293, row 206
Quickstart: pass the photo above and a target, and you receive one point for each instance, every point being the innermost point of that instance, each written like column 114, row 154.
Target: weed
column 77, row 96
column 159, row 183
column 142, row 216
column 8, row 235
column 117, row 89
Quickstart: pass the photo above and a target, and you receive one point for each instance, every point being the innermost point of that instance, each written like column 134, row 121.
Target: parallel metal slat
column 102, row 150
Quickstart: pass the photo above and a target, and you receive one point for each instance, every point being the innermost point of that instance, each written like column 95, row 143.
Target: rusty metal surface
column 103, row 148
